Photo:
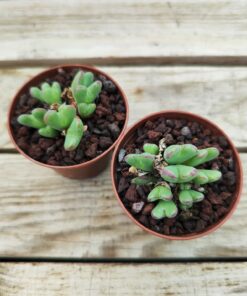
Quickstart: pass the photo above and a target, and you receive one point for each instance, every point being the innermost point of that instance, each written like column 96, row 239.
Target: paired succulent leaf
column 49, row 94
column 34, row 120
column 164, row 208
column 207, row 176
column 48, row 132
column 144, row 161
column 177, row 173
column 80, row 94
column 202, row 156
column 178, row 154
column 74, row 134
column 151, row 148
column 82, row 78
column 93, row 91
column 160, row 192
column 84, row 88
column 61, row 119
column 188, row 197
column 86, row 110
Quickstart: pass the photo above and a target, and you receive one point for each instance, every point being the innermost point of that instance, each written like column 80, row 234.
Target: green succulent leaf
column 93, row 91
column 203, row 156
column 56, row 93
column 34, row 120
column 144, row 180
column 80, row 94
column 178, row 154
column 52, row 119
column 151, row 148
column 39, row 113
column 160, row 192
column 207, row 176
column 164, row 209
column 144, row 161
column 49, row 94
column 35, row 92
column 62, row 118
column 77, row 80
column 177, row 173
column 74, row 134
column 87, row 78
column 196, row 195
column 187, row 197
column 48, row 132
column 84, row 88
column 86, row 110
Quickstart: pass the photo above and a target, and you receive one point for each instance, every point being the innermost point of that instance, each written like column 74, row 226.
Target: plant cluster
column 60, row 117
column 173, row 167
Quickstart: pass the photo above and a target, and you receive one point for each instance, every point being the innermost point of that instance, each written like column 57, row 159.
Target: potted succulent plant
column 177, row 175
column 68, row 118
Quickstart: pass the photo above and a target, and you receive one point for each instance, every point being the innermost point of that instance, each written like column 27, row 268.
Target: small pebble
column 185, row 131
column 137, row 206
column 123, row 184
column 131, row 194
column 121, row 155
column 230, row 177
column 223, row 142
column 109, row 86
column 114, row 130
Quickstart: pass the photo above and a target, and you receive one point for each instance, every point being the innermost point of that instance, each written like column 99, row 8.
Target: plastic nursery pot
column 128, row 137
column 87, row 169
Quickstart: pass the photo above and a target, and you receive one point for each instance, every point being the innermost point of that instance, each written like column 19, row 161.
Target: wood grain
column 218, row 93
column 36, row 279
column 45, row 215
column 132, row 29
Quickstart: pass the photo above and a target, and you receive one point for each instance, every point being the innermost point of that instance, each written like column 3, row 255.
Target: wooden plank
column 123, row 279
column 45, row 215
column 133, row 29
column 218, row 93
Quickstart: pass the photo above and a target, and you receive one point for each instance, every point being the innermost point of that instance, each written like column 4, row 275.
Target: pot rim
column 192, row 117
column 47, row 71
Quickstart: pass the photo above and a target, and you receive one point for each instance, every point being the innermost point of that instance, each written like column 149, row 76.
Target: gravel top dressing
column 218, row 195
column 102, row 129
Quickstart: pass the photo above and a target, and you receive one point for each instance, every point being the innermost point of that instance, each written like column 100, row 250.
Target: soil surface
column 103, row 128
column 218, row 196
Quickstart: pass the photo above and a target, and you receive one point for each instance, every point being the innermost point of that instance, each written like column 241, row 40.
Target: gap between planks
column 124, row 260
column 132, row 61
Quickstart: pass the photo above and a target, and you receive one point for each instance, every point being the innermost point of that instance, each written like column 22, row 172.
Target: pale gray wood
column 114, row 29
column 39, row 279
column 45, row 215
column 218, row 93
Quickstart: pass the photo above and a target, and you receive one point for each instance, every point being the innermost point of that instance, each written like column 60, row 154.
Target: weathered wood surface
column 218, row 93
column 45, row 215
column 122, row 30
column 205, row 279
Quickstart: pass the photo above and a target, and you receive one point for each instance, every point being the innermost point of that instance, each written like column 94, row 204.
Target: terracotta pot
column 191, row 117
column 80, row 171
